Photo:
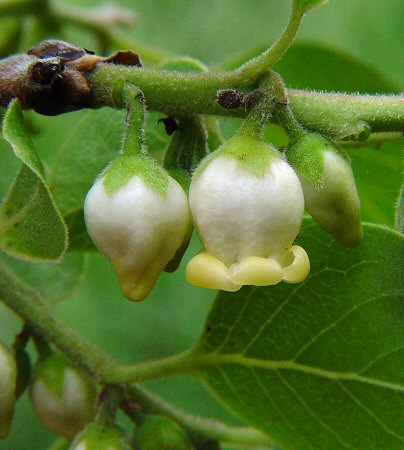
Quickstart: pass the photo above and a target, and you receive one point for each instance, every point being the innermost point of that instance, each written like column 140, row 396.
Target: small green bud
column 8, row 377
column 62, row 395
column 160, row 432
column 329, row 188
column 100, row 436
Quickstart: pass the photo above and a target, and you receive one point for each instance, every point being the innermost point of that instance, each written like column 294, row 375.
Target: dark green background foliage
column 345, row 46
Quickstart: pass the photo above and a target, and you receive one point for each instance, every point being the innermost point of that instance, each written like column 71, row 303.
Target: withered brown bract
column 51, row 79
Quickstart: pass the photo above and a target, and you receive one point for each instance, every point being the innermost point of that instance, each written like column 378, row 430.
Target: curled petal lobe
column 298, row 270
column 207, row 271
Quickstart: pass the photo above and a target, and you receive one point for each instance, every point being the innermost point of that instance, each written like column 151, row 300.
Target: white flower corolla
column 8, row 376
column 247, row 222
column 63, row 396
column 138, row 228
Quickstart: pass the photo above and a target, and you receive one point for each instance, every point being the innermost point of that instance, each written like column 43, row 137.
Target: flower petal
column 256, row 271
column 300, row 267
column 207, row 271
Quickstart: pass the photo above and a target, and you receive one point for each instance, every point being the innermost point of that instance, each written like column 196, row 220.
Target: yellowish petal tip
column 300, row 267
column 133, row 289
column 205, row 270
column 256, row 271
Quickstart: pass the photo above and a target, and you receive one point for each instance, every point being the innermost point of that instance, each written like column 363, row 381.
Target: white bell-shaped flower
column 139, row 228
column 247, row 204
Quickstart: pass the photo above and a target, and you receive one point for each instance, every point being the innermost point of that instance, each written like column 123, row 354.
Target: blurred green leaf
column 90, row 146
column 10, row 33
column 31, row 226
column 319, row 364
column 314, row 66
column 400, row 210
column 309, row 4
column 378, row 176
column 53, row 282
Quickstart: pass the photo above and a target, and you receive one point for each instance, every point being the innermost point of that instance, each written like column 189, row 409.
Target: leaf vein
column 311, row 412
column 370, row 413
column 245, row 304
column 281, row 414
column 215, row 359
column 335, row 323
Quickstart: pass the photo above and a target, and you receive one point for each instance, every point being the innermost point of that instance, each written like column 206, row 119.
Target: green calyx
column 124, row 167
column 307, row 156
column 252, row 153
column 51, row 369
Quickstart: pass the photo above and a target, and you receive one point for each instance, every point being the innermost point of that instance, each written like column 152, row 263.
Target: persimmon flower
column 138, row 228
column 247, row 204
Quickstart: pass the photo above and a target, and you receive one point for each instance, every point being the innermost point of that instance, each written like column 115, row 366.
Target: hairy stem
column 29, row 306
column 348, row 116
column 152, row 404
column 340, row 116
column 256, row 67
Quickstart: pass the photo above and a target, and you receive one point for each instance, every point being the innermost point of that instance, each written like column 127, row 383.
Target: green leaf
column 91, row 145
column 318, row 364
column 31, row 226
column 10, row 33
column 53, row 282
column 315, row 66
column 330, row 69
column 378, row 176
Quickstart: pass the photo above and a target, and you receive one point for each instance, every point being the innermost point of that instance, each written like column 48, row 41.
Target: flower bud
column 247, row 205
column 138, row 225
column 329, row 188
column 100, row 436
column 62, row 395
column 160, row 432
column 8, row 377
